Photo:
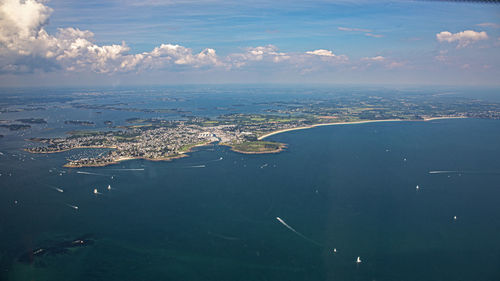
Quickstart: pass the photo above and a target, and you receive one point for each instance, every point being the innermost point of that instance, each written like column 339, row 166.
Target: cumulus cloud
column 327, row 56
column 260, row 53
column 300, row 61
column 382, row 61
column 321, row 52
column 376, row 58
column 25, row 45
column 464, row 38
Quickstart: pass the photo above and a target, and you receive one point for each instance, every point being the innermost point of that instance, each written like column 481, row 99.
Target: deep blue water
column 346, row 187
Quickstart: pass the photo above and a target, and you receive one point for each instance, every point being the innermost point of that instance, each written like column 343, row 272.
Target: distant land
column 15, row 127
column 32, row 121
column 159, row 139
column 78, row 122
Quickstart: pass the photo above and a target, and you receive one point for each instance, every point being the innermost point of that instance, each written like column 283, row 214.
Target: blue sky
column 68, row 42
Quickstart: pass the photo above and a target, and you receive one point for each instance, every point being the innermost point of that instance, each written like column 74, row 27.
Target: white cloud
column 25, row 45
column 382, row 61
column 321, row 52
column 463, row 38
column 327, row 56
column 377, row 58
column 260, row 53
column 169, row 55
column 302, row 62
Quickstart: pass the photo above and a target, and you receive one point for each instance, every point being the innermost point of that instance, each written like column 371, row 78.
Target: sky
column 163, row 42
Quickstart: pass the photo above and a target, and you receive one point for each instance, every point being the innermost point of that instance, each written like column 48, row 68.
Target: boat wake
column 55, row 188
column 72, row 206
column 298, row 233
column 89, row 173
column 202, row 163
column 224, row 237
column 466, row 172
column 130, row 169
column 58, row 189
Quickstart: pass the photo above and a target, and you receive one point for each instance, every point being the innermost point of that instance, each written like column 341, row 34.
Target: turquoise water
column 345, row 187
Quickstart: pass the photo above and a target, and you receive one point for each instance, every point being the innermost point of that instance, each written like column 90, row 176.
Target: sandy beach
column 350, row 123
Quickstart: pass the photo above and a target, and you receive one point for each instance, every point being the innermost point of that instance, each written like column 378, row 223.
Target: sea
column 335, row 194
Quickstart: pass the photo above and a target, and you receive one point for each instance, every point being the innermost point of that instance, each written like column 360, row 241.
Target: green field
column 257, row 146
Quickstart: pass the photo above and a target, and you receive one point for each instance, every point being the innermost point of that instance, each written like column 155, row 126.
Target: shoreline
column 121, row 159
column 352, row 123
column 184, row 153
column 69, row 149
column 125, row 158
column 278, row 150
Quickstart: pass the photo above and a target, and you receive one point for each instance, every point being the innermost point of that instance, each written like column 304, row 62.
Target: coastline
column 184, row 153
column 352, row 123
column 280, row 148
column 121, row 159
column 68, row 149
column 125, row 158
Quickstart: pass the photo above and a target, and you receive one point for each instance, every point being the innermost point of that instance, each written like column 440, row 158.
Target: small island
column 79, row 122
column 15, row 127
column 32, row 121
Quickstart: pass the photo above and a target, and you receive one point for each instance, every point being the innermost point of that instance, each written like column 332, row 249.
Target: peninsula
column 159, row 139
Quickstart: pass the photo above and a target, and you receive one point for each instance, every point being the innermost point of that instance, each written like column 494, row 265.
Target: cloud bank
column 463, row 38
column 25, row 46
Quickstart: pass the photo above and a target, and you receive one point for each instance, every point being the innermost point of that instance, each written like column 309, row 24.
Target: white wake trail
column 130, row 169
column 72, row 206
column 55, row 188
column 89, row 173
column 466, row 172
column 58, row 189
column 298, row 233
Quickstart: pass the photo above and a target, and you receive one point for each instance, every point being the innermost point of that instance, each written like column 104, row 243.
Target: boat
column 109, row 187
column 95, row 191
column 358, row 260
column 418, row 187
